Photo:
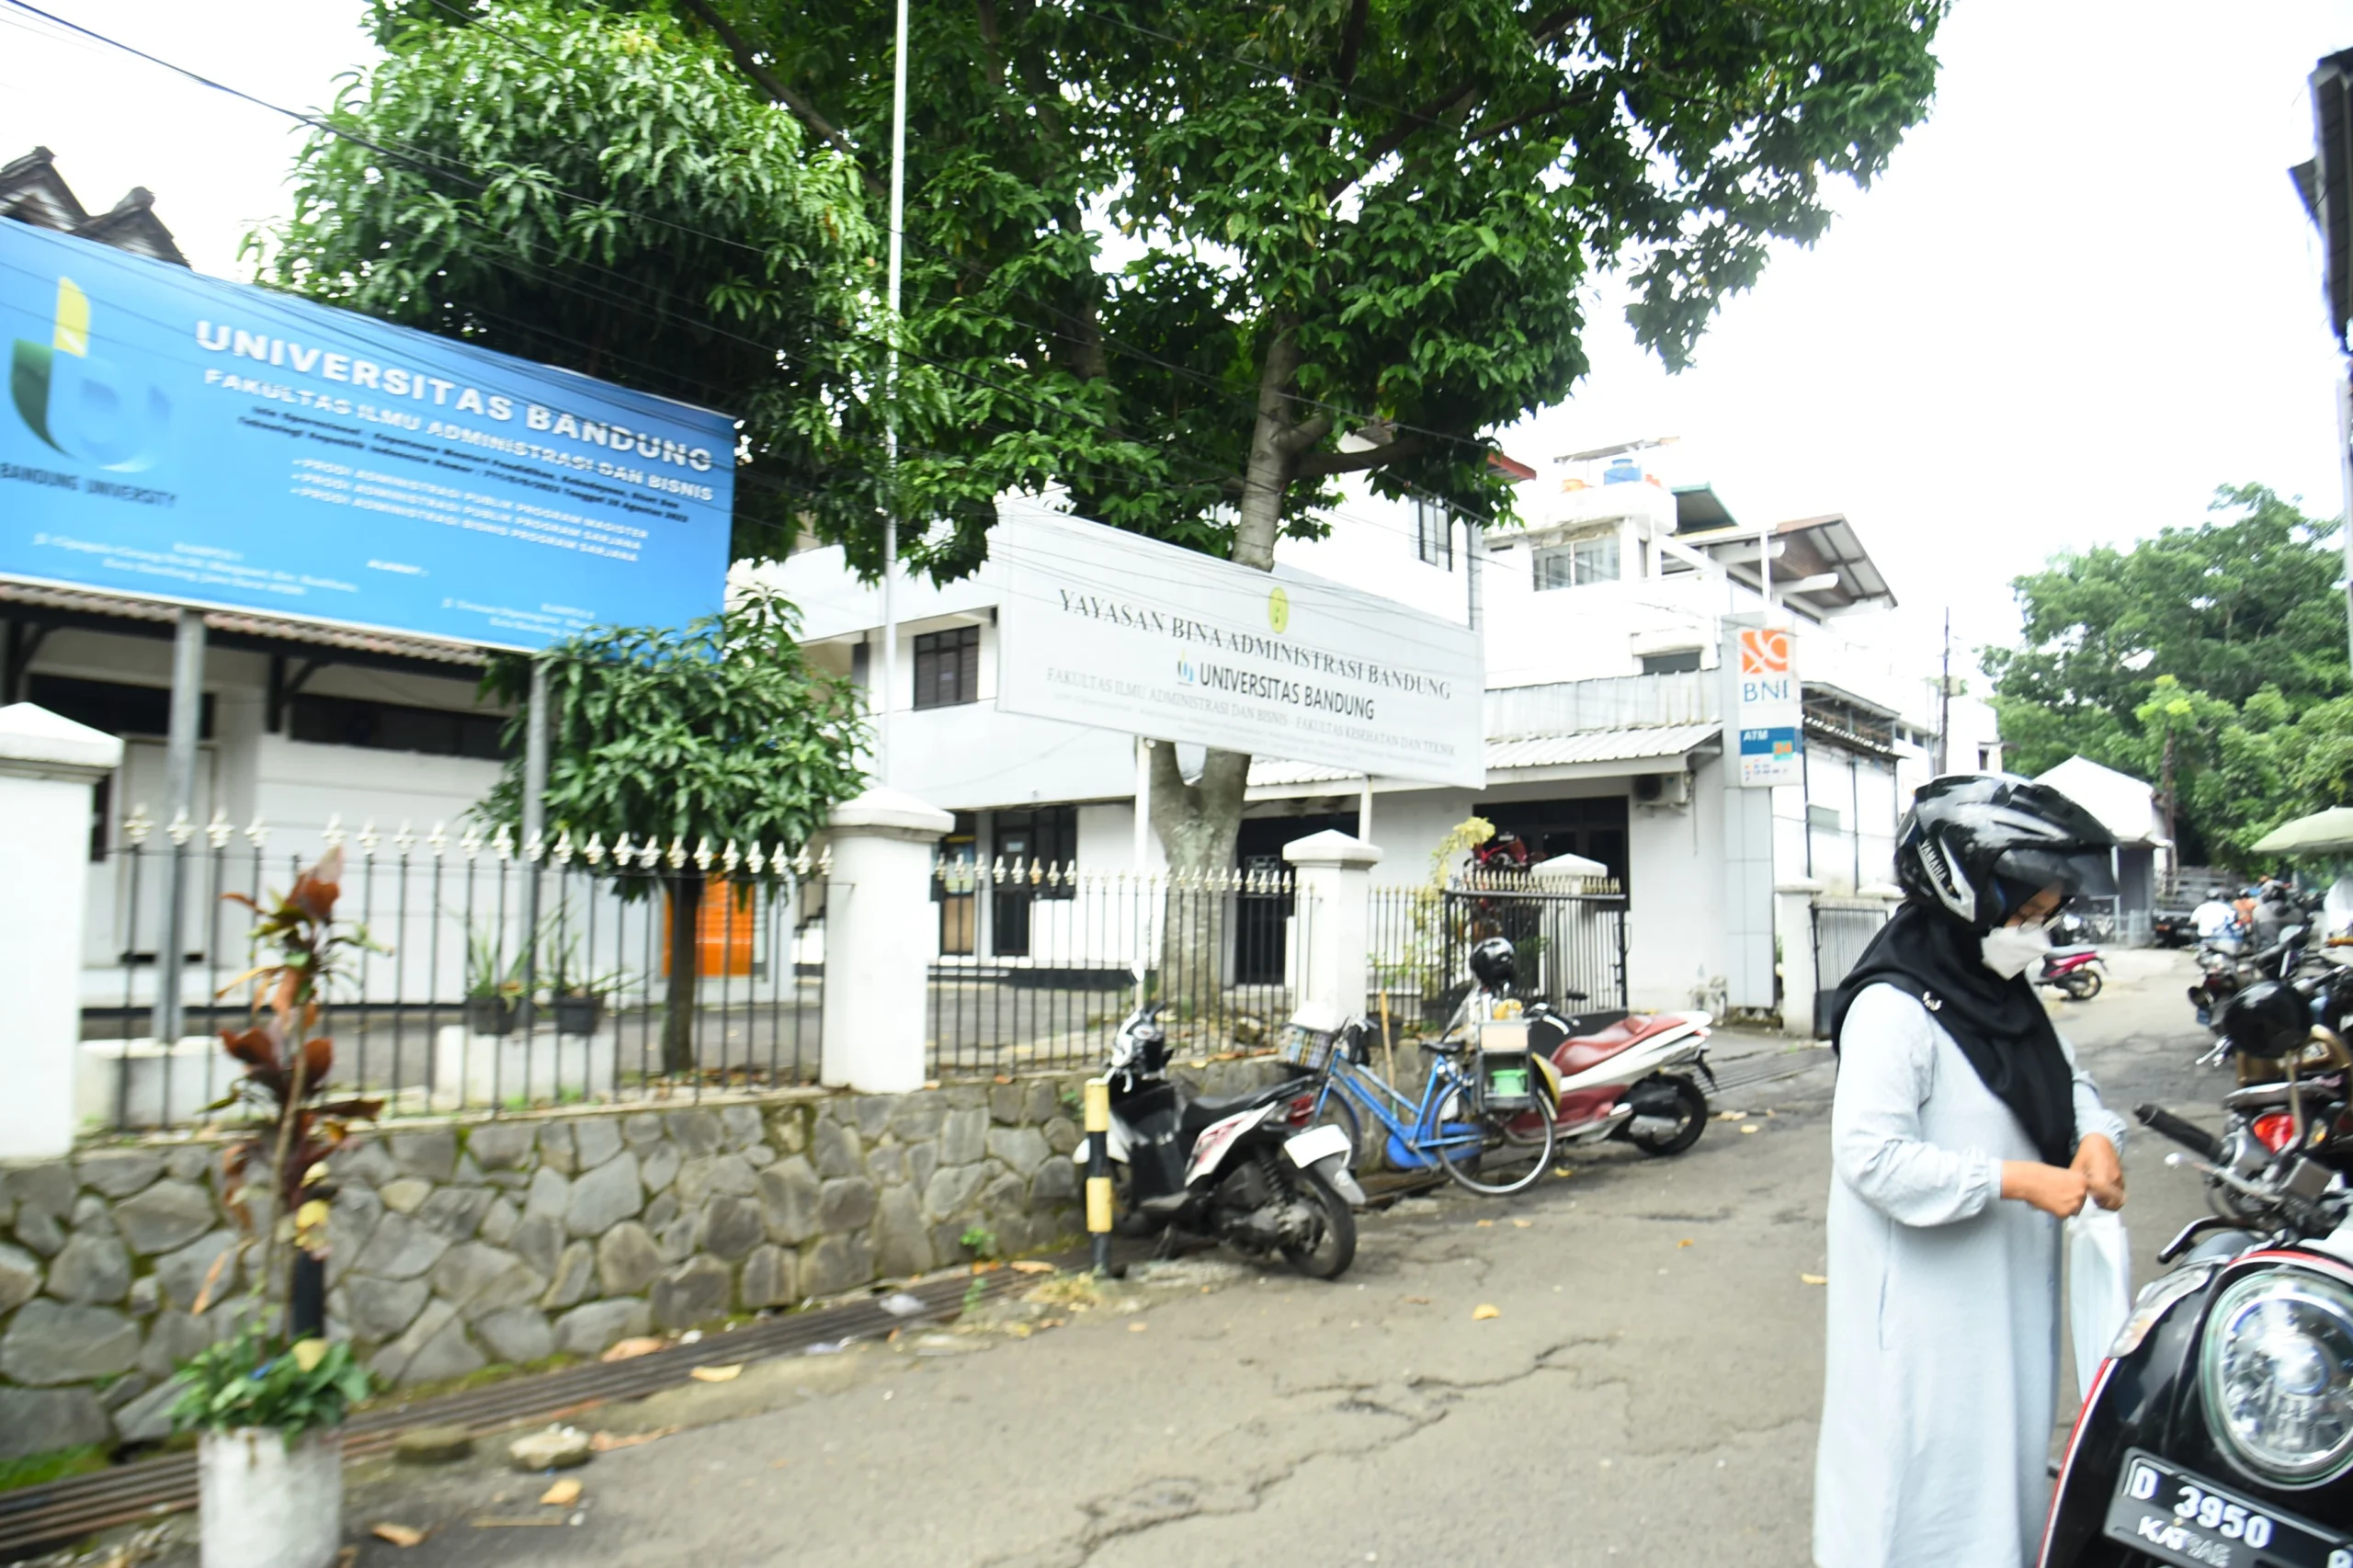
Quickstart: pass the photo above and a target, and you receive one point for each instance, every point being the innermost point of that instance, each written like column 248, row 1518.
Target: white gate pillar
column 1335, row 897
column 1793, row 922
column 48, row 767
column 879, row 938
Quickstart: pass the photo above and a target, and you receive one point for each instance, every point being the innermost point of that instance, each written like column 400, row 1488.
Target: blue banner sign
column 208, row 443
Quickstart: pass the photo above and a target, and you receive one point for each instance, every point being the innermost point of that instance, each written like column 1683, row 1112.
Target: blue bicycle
column 1480, row 1118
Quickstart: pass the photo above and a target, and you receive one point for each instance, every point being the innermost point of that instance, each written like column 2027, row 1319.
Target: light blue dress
column 1941, row 1368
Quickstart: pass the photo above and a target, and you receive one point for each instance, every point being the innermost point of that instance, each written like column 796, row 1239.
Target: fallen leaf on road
column 1486, row 1224
column 1051, row 1322
column 989, row 1267
column 1748, row 1127
column 628, row 1348
column 399, row 1535
column 1684, row 1243
column 1419, row 1300
column 1813, row 1279
column 1521, row 1224
column 344, row 1558
column 1483, row 1312
column 1002, row 1078
column 717, row 1374
column 563, row 1495
column 1138, row 1327
column 1030, row 1265
column 1730, row 1114
column 780, row 1464
column 1564, row 1170
column 606, row 1442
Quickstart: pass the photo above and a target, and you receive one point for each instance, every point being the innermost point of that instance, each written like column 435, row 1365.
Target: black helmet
column 2267, row 1019
column 1491, row 963
column 1979, row 845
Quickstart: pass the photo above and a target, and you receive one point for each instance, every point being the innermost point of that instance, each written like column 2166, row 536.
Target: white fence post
column 48, row 767
column 1336, row 887
column 1793, row 920
column 878, row 942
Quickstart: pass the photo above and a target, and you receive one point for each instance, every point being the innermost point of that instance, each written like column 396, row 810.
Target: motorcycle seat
column 1210, row 1109
column 2081, row 951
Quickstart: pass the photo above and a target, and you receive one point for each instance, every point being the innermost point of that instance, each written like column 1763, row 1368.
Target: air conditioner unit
column 1662, row 790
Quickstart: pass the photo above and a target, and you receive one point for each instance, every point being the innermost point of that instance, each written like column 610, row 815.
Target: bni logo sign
column 80, row 404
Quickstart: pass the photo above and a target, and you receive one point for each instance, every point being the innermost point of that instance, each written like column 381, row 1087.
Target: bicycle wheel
column 1338, row 1110
column 1475, row 1146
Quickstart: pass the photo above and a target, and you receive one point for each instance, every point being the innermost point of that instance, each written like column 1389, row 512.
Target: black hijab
column 1999, row 1023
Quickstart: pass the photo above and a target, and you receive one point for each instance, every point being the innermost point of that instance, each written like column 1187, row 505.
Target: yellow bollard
column 1099, row 1170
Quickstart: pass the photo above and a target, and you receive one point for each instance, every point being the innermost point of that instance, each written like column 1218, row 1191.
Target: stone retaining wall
column 457, row 1245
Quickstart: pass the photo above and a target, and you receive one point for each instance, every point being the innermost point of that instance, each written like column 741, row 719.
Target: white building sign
column 1766, row 712
column 1112, row 629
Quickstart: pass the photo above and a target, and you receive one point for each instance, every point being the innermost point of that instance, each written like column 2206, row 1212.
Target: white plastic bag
column 2100, row 1286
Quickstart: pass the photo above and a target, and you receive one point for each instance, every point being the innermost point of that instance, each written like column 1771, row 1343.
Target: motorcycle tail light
column 2277, row 1128
column 1303, row 1110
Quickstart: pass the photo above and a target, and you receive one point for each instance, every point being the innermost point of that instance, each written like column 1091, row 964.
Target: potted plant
column 267, row 1403
column 493, row 986
column 577, row 996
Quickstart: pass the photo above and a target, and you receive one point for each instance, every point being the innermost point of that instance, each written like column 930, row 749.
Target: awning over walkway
column 1596, row 752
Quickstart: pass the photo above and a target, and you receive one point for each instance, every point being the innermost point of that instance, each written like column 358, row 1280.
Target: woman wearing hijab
column 1961, row 1134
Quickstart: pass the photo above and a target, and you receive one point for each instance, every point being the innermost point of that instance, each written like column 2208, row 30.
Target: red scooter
column 2073, row 971
column 1615, row 1073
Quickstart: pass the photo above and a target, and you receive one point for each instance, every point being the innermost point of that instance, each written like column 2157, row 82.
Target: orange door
column 722, row 930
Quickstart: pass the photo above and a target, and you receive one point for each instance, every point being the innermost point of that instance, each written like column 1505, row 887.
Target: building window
column 386, row 726
column 1046, row 839
column 948, row 668
column 1577, row 563
column 1681, row 662
column 1433, row 532
column 113, row 707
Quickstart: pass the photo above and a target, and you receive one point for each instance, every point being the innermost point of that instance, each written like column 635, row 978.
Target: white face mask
column 2008, row 950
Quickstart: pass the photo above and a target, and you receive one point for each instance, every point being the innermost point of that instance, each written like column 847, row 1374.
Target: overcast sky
column 2084, row 295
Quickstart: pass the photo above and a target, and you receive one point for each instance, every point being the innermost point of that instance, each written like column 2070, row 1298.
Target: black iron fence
column 1568, row 941
column 1038, row 962
column 492, row 978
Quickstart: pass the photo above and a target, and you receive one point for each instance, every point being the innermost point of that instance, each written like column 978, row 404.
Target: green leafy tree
column 2211, row 660
column 1352, row 236
column 603, row 193
column 718, row 731
column 1367, row 219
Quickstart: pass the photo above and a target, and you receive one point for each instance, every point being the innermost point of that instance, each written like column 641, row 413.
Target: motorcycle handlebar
column 2189, row 1134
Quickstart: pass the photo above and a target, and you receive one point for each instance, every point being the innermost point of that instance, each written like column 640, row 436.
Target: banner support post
column 185, row 728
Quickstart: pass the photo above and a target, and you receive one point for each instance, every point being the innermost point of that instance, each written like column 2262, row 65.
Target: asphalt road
column 1645, row 1389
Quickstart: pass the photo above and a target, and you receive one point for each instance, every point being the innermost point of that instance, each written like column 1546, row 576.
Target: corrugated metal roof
column 240, row 623
column 1541, row 751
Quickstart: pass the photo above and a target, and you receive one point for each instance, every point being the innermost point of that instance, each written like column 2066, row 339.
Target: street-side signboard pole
column 535, row 824
column 1143, row 852
column 186, row 726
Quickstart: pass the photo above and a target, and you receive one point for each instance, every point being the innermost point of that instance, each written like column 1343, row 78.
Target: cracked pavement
column 1647, row 1390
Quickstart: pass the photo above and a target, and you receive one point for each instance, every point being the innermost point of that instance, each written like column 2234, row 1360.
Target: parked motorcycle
column 2073, row 971
column 2219, row 1429
column 1244, row 1169
column 2228, row 964
column 1621, row 1074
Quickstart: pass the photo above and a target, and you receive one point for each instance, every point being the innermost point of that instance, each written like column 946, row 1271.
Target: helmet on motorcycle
column 1491, row 963
column 1978, row 845
column 2266, row 1020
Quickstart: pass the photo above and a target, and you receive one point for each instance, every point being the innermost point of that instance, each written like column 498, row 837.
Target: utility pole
column 1944, row 702
column 890, row 429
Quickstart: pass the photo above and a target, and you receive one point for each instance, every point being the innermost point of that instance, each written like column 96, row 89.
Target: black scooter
column 1245, row 1169
column 2218, row 1432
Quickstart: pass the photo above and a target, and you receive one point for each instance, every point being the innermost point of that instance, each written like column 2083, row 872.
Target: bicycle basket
column 1311, row 1048
column 1506, row 1075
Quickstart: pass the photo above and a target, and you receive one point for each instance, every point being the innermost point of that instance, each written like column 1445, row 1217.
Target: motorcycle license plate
column 2177, row 1516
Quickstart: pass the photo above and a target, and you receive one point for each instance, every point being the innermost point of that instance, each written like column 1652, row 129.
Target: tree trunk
column 686, row 966
column 1200, row 823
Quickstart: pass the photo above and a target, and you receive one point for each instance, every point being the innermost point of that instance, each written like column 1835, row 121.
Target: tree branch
column 1303, row 435
column 1316, row 465
column 747, row 61
column 1453, row 100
